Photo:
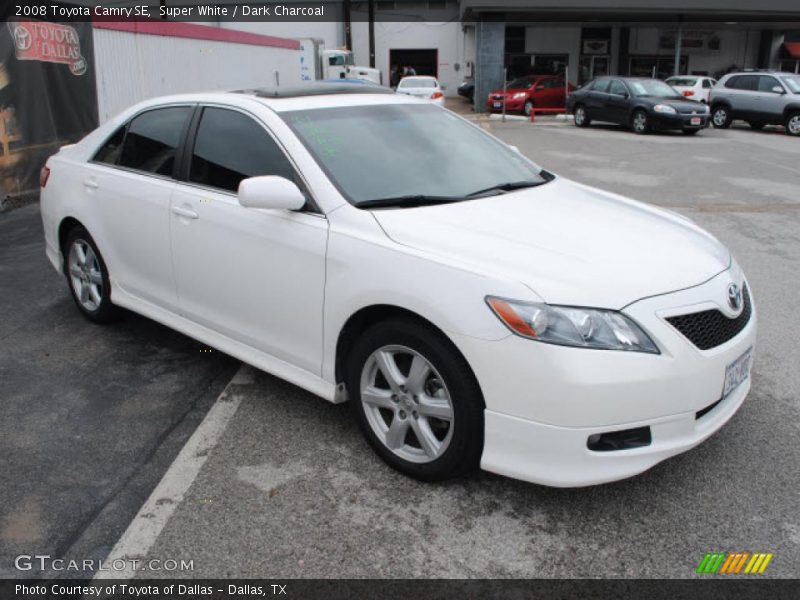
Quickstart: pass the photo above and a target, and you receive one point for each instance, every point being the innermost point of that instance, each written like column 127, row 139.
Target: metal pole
column 566, row 86
column 505, row 88
column 371, row 11
column 678, row 44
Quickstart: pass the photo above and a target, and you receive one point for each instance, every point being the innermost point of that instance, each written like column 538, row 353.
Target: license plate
column 696, row 121
column 498, row 105
column 737, row 372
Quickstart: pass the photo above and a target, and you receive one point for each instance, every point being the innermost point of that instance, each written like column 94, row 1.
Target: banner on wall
column 48, row 96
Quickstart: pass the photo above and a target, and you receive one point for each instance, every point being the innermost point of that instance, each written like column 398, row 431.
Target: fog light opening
column 619, row 440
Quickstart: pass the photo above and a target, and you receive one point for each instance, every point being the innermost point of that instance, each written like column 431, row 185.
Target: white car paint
column 432, row 92
column 557, row 243
column 699, row 90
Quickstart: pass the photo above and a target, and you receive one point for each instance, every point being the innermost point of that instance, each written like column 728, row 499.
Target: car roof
column 321, row 88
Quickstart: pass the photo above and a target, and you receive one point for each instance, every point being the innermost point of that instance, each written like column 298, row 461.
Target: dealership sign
column 48, row 42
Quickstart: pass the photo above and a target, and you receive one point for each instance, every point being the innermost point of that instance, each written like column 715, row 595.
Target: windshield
column 793, row 83
column 397, row 150
column 340, row 60
column 682, row 81
column 521, row 82
column 418, row 82
column 651, row 87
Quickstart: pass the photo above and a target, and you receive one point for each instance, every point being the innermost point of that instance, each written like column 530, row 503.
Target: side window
column 733, row 82
column 109, row 152
column 766, row 83
column 153, row 138
column 231, row 146
column 707, row 84
column 748, row 83
column 553, row 84
column 617, row 88
column 601, row 85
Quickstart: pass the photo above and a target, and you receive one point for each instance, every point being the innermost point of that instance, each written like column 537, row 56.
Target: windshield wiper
column 408, row 201
column 508, row 187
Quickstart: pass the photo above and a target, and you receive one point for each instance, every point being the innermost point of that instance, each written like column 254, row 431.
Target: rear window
column 153, row 138
column 683, row 81
column 418, row 82
column 743, row 82
column 601, row 85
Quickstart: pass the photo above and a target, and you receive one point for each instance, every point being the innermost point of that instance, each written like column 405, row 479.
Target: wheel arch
column 367, row 316
column 790, row 109
column 66, row 225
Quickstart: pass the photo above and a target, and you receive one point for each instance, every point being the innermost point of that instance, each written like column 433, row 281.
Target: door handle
column 185, row 212
column 91, row 183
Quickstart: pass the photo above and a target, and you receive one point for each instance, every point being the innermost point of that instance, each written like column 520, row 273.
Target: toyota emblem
column 735, row 297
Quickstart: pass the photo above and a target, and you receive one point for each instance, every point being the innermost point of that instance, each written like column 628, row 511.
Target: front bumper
column 511, row 105
column 544, row 401
column 678, row 121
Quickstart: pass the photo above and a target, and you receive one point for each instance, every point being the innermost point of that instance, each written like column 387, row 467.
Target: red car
column 525, row 93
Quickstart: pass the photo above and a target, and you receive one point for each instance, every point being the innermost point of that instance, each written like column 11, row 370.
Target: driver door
column 254, row 275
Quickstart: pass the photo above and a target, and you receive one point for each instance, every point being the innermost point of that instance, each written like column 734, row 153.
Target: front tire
column 721, row 117
column 87, row 277
column 792, row 124
column 581, row 117
column 527, row 108
column 640, row 122
column 416, row 400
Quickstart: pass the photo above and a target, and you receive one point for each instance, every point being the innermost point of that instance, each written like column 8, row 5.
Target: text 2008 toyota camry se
column 474, row 308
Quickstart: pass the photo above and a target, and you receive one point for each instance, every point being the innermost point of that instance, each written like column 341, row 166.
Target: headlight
column 519, row 95
column 664, row 108
column 570, row 326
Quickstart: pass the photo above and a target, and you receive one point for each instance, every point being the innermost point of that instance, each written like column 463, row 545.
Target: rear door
column 130, row 182
column 617, row 102
column 254, row 275
column 743, row 95
column 596, row 100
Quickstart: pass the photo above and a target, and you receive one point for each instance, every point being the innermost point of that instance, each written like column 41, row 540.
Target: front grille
column 711, row 328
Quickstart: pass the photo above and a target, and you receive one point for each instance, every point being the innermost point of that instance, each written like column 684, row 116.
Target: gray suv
column 760, row 98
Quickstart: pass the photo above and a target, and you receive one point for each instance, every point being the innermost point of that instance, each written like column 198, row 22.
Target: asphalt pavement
column 92, row 415
column 288, row 487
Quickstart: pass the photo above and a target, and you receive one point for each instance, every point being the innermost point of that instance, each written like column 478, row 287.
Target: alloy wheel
column 85, row 274
column 720, row 117
column 793, row 125
column 407, row 403
column 640, row 122
column 580, row 115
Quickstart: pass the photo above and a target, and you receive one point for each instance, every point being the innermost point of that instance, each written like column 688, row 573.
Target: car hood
column 508, row 91
column 571, row 244
column 681, row 105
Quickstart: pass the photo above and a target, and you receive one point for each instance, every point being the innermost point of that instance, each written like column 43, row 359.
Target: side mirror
column 269, row 191
column 778, row 89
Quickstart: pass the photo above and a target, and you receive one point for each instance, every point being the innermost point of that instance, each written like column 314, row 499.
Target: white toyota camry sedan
column 475, row 309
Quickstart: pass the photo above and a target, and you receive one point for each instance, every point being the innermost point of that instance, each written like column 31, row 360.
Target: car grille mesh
column 711, row 328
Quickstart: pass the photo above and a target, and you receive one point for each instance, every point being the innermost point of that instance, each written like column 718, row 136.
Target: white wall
column 446, row 37
column 134, row 67
column 330, row 32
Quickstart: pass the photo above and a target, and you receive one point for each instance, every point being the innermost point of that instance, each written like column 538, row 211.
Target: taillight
column 436, row 95
column 44, row 175
column 688, row 93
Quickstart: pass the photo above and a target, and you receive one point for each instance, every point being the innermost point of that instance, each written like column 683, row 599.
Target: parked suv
column 763, row 98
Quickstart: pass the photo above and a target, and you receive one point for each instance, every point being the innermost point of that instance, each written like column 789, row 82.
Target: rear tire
column 87, row 277
column 721, row 117
column 581, row 117
column 396, row 412
column 640, row 122
column 792, row 124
